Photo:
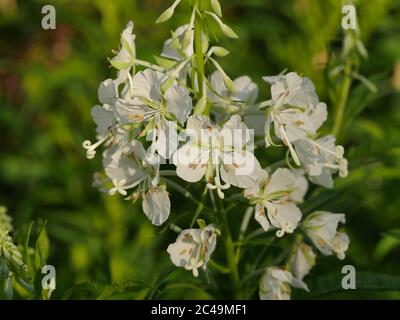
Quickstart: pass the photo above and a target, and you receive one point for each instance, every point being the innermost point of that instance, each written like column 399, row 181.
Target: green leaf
column 319, row 199
column 201, row 223
column 200, row 106
column 394, row 233
column 85, row 290
column 165, row 63
column 28, row 260
column 123, row 290
column 367, row 83
column 329, row 284
column 160, row 283
column 120, row 64
column 389, row 242
column 42, row 247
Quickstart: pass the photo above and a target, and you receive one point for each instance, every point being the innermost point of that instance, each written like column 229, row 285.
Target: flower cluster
column 10, row 256
column 172, row 113
column 193, row 248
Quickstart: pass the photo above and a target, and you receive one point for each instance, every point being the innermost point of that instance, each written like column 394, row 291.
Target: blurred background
column 48, row 84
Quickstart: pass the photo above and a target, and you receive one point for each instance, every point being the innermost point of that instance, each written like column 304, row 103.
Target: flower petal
column 284, row 216
column 147, row 85
column 240, row 168
column 167, row 139
column 104, row 120
column 179, row 102
column 107, row 92
column 191, row 162
column 261, row 217
column 157, row 206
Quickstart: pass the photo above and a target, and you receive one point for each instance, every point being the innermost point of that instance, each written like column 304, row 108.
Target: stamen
column 343, row 170
column 332, row 166
column 338, row 153
column 217, row 180
column 130, row 84
column 286, row 139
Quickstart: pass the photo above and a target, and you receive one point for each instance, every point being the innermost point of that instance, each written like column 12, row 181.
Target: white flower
column 125, row 58
column 291, row 89
column 193, row 248
column 218, row 154
column 133, row 167
column 244, row 95
column 124, row 167
column 178, row 52
column 295, row 110
column 103, row 116
column 321, row 227
column 321, row 159
column 149, row 105
column 275, row 284
column 301, row 261
column 272, row 197
column 180, row 45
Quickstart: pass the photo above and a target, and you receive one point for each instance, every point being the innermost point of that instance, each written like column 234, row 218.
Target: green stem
column 200, row 207
column 343, row 99
column 199, row 49
column 229, row 249
column 218, row 267
column 243, row 228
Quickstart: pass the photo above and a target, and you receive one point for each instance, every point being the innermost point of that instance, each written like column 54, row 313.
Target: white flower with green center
column 273, row 204
column 193, row 248
column 218, row 154
column 321, row 227
column 228, row 100
column 157, row 110
column 321, row 159
column 275, row 284
column 302, row 260
column 295, row 111
column 132, row 167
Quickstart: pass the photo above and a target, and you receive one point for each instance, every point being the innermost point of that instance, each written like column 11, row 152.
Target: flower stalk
column 229, row 248
column 343, row 99
column 198, row 45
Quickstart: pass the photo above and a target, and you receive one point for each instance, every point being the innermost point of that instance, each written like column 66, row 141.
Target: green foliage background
column 48, row 83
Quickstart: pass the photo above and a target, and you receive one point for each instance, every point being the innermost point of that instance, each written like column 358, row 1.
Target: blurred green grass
column 48, row 83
